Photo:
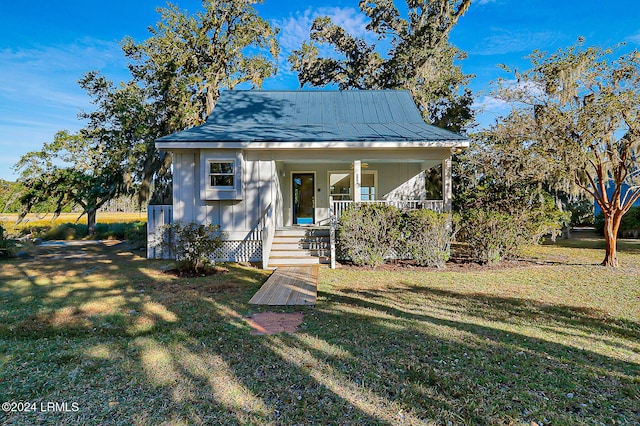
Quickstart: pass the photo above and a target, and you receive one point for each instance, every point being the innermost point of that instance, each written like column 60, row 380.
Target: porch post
column 446, row 184
column 357, row 181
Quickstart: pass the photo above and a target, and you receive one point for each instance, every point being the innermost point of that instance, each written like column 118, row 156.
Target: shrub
column 65, row 231
column 427, row 237
column 7, row 245
column 193, row 245
column 629, row 225
column 581, row 212
column 369, row 232
column 134, row 231
column 137, row 235
column 493, row 236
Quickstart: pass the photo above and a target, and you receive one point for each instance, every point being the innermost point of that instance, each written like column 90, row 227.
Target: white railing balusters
column 339, row 206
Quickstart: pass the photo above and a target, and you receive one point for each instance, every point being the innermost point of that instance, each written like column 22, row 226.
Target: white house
column 287, row 160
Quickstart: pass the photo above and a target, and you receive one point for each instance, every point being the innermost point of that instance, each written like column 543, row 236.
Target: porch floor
column 289, row 285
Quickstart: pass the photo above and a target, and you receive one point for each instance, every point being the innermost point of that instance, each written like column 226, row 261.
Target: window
column 433, row 183
column 368, row 187
column 340, row 183
column 221, row 173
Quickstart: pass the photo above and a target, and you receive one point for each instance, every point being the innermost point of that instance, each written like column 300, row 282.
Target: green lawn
column 553, row 341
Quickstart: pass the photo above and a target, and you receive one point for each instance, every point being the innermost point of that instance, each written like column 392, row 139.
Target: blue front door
column 303, row 199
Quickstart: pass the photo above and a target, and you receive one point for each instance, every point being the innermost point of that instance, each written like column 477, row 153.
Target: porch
column 307, row 245
column 309, row 187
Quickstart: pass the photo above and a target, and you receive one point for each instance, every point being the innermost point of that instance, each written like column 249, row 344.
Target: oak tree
column 412, row 52
column 189, row 57
column 66, row 173
column 176, row 75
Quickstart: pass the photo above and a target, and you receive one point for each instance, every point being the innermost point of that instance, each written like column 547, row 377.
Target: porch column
column 357, row 181
column 446, row 184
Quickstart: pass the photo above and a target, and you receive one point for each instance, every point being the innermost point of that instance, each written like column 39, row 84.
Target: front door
column 303, row 198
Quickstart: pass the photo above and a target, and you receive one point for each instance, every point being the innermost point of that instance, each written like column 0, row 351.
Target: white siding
column 240, row 219
column 237, row 217
column 391, row 178
column 266, row 180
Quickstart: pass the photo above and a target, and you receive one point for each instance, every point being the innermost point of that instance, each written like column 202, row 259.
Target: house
column 287, row 161
column 625, row 191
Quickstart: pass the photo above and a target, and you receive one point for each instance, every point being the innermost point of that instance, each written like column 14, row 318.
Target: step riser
column 302, row 234
column 288, row 262
column 300, row 246
column 299, row 253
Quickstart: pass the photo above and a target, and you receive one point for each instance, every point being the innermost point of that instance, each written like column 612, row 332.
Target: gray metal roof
column 315, row 116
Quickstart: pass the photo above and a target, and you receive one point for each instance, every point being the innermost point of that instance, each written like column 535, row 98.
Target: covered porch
column 314, row 187
column 311, row 188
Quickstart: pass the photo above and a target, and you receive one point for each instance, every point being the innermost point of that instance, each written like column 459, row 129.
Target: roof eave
column 171, row 145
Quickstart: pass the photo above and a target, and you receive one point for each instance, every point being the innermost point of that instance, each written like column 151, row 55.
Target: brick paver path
column 271, row 322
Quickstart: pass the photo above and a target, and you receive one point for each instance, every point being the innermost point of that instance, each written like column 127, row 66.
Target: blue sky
column 46, row 46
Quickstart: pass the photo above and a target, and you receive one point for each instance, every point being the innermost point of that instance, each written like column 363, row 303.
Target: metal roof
column 314, row 116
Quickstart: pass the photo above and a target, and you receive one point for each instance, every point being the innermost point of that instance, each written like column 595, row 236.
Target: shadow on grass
column 474, row 348
column 107, row 329
column 502, row 313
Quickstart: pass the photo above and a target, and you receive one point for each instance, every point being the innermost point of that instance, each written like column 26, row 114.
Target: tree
column 576, row 111
column 177, row 73
column 9, row 195
column 68, row 172
column 123, row 129
column 419, row 58
column 500, row 194
column 189, row 58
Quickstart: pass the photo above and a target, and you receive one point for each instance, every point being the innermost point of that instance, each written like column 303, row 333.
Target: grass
column 71, row 226
column 553, row 341
column 46, row 219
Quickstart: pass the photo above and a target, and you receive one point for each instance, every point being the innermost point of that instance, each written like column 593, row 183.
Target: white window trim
column 209, row 192
column 345, row 172
column 375, row 182
column 351, row 181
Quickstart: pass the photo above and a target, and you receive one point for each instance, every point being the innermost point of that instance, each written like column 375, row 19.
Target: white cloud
column 295, row 29
column 39, row 93
column 487, row 109
column 490, row 104
column 635, row 38
column 503, row 41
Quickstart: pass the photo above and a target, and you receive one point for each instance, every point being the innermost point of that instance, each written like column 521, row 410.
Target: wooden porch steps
column 300, row 246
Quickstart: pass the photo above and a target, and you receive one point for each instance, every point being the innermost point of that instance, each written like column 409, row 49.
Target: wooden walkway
column 289, row 285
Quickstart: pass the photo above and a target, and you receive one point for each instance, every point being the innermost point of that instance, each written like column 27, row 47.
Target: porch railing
column 268, row 225
column 337, row 207
column 157, row 217
column 435, row 205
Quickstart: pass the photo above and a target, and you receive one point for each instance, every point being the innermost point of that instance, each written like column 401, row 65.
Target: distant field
column 36, row 219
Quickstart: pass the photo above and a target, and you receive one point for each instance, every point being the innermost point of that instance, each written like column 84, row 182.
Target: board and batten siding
column 402, row 180
column 240, row 219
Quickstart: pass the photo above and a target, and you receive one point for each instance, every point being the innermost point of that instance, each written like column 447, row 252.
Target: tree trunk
column 611, row 225
column 91, row 222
